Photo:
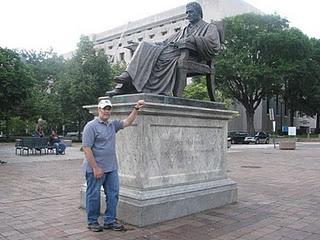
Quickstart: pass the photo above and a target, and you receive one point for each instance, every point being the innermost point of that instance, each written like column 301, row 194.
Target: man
column 101, row 166
column 152, row 68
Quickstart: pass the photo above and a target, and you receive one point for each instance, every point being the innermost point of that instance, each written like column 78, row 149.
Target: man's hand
column 97, row 172
column 139, row 104
column 133, row 115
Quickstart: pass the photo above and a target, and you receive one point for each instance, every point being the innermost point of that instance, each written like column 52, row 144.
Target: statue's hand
column 158, row 43
column 184, row 41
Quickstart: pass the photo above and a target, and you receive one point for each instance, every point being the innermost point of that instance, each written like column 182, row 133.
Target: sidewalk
column 279, row 199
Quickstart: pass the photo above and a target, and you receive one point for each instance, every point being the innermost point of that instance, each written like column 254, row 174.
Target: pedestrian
column 101, row 165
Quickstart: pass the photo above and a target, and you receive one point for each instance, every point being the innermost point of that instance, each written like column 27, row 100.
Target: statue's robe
column 153, row 66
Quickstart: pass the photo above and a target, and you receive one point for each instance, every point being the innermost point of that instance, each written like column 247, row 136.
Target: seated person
column 56, row 142
column 152, row 68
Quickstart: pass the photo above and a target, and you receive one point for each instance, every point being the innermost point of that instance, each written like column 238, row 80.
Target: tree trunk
column 7, row 126
column 250, row 121
column 79, row 130
column 318, row 123
column 291, row 117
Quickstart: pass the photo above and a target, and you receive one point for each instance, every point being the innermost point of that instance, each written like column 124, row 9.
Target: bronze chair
column 190, row 68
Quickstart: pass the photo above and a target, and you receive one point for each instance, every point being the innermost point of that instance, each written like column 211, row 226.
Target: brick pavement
column 279, row 199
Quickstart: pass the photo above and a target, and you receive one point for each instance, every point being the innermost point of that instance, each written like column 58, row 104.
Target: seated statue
column 152, row 68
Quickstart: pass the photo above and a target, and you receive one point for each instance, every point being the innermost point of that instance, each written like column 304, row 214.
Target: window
column 120, row 44
column 110, row 47
column 177, row 29
column 164, row 33
column 151, row 36
column 140, row 39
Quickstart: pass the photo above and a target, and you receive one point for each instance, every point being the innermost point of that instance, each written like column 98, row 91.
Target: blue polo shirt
column 101, row 138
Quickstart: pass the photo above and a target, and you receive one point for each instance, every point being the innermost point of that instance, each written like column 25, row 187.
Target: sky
column 58, row 24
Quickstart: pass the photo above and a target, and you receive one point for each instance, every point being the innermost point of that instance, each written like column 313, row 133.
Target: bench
column 33, row 145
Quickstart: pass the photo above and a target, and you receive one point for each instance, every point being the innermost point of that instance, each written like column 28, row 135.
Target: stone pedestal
column 172, row 160
column 287, row 144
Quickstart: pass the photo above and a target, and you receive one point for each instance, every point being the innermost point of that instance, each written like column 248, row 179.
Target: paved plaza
column 279, row 199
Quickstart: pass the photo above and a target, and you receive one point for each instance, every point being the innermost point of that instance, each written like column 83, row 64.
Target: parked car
column 259, row 137
column 73, row 135
column 237, row 137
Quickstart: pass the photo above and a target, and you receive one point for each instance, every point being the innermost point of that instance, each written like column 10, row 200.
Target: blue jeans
column 60, row 147
column 110, row 183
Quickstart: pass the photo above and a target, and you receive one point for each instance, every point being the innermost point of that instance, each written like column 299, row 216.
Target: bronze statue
column 153, row 67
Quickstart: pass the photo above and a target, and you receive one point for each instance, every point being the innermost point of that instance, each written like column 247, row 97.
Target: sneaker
column 114, row 226
column 95, row 227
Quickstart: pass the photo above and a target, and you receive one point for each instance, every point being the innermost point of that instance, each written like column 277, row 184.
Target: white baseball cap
column 104, row 103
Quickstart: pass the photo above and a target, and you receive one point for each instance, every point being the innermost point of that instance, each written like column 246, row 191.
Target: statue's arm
column 209, row 45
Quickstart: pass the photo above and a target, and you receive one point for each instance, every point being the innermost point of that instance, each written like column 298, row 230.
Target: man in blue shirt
column 101, row 165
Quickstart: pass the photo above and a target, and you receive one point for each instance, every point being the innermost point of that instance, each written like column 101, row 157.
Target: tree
column 243, row 72
column 47, row 66
column 16, row 81
column 289, row 53
column 87, row 77
column 312, row 100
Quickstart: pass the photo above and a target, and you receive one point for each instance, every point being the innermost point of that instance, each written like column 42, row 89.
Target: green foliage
column 198, row 90
column 244, row 72
column 16, row 81
column 17, row 126
column 47, row 67
column 86, row 78
column 291, row 58
column 312, row 99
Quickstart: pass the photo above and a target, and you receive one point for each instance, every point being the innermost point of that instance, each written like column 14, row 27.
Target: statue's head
column 194, row 12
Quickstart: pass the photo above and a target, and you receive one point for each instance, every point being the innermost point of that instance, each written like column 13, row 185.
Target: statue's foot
column 123, row 78
column 121, row 89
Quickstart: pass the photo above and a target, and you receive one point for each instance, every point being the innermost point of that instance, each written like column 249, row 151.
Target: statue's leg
column 180, row 83
column 123, row 78
column 211, row 85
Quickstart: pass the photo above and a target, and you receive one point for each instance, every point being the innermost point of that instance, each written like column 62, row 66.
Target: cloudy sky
column 41, row 24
